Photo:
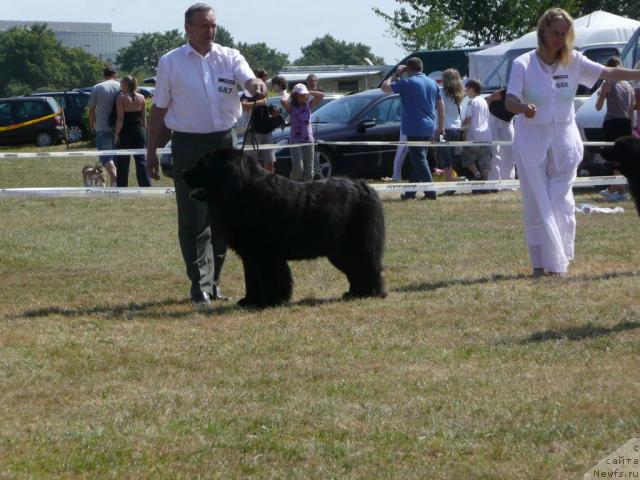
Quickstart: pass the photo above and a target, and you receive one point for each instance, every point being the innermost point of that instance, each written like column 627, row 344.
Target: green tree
column 259, row 55
column 329, row 51
column 224, row 38
column 434, row 24
column 419, row 27
column 32, row 59
column 143, row 53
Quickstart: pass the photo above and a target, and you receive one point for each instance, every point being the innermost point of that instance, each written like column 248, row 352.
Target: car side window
column 61, row 100
column 395, row 113
column 34, row 109
column 5, row 114
column 381, row 112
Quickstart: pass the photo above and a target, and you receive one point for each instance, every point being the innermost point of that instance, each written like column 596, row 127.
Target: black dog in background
column 269, row 219
column 624, row 157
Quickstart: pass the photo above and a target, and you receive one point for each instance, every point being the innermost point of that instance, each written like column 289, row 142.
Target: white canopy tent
column 596, row 28
column 482, row 61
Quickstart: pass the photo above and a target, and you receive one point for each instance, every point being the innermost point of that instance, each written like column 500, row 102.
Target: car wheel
column 44, row 139
column 74, row 133
column 322, row 165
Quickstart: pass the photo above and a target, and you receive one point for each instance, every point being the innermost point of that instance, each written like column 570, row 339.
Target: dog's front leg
column 252, row 283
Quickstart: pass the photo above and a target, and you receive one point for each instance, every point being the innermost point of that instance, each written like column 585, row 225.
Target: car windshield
column 498, row 76
column 341, row 110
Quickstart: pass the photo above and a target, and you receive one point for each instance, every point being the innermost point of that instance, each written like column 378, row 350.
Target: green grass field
column 469, row 369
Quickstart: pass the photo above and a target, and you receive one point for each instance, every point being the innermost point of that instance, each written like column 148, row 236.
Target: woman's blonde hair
column 564, row 54
column 452, row 85
column 132, row 85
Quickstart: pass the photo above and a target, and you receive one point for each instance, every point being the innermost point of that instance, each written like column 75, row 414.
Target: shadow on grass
column 156, row 309
column 579, row 333
column 430, row 286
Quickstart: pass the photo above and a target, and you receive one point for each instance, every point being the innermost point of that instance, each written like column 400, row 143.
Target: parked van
column 36, row 120
column 599, row 36
column 437, row 61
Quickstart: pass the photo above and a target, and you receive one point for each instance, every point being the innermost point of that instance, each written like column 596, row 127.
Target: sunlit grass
column 469, row 369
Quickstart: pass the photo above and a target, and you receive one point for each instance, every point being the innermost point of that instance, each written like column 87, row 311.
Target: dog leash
column 250, row 132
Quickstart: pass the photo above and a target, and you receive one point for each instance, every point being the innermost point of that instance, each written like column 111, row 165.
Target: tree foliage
column 418, row 27
column 144, row 52
column 224, row 38
column 259, row 55
column 32, row 59
column 434, row 24
column 329, row 51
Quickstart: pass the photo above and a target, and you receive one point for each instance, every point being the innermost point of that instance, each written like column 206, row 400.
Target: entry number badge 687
column 226, row 85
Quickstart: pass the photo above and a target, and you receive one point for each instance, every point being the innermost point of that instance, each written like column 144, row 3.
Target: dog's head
column 219, row 171
column 624, row 156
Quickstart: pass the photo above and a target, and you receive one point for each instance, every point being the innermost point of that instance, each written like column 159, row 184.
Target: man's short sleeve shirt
column 201, row 92
column 419, row 95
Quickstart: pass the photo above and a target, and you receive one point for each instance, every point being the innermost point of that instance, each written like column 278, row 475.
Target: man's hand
column 400, row 70
column 256, row 87
column 153, row 165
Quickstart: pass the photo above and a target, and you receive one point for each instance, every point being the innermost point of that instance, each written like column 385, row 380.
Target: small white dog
column 93, row 176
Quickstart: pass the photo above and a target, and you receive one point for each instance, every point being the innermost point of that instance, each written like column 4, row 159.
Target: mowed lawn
column 469, row 369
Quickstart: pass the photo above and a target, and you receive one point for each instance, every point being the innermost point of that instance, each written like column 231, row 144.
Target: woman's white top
column 551, row 88
column 452, row 113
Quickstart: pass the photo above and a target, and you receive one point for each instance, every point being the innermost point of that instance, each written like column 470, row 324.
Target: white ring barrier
column 459, row 186
column 272, row 146
column 67, row 192
column 398, row 187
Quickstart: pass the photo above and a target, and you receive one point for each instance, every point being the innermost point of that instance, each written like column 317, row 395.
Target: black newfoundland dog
column 269, row 219
column 624, row 156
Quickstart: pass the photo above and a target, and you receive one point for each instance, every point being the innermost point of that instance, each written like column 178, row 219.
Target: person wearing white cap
column 547, row 145
column 299, row 105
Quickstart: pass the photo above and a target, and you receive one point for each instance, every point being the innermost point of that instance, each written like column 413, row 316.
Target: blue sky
column 285, row 26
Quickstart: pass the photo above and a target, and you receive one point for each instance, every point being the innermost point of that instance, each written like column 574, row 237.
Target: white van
column 589, row 120
column 599, row 36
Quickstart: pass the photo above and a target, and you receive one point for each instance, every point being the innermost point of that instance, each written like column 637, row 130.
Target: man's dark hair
column 279, row 80
column 261, row 74
column 312, row 76
column 475, row 85
column 613, row 62
column 109, row 71
column 194, row 9
column 414, row 64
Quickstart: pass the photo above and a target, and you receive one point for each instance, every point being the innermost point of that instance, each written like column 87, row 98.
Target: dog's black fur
column 624, row 157
column 269, row 219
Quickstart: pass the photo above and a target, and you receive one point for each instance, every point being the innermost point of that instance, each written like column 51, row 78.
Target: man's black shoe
column 218, row 295
column 201, row 299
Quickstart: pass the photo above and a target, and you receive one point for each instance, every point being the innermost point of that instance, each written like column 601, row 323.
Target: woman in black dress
column 130, row 130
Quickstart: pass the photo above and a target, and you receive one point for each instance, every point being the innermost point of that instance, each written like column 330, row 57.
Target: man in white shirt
column 197, row 98
column 476, row 121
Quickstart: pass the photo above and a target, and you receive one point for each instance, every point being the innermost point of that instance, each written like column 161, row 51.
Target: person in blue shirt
column 422, row 116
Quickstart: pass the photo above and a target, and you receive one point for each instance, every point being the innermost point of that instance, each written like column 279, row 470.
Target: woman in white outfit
column 547, row 146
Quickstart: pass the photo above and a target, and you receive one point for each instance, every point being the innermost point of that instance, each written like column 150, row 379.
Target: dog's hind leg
column 363, row 272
